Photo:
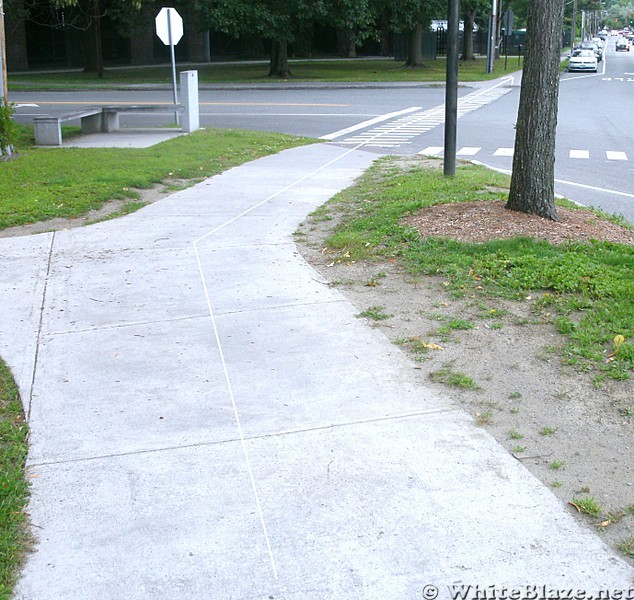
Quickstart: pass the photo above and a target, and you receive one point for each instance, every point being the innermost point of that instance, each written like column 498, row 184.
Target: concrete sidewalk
column 209, row 420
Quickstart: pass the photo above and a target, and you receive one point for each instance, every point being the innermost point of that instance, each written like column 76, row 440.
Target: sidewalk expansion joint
column 261, row 436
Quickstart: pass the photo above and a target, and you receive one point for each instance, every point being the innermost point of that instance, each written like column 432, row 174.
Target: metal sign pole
column 171, row 44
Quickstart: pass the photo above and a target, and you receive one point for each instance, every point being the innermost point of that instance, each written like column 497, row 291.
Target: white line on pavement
column 336, row 134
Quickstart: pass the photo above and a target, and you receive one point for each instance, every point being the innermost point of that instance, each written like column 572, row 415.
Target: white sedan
column 583, row 60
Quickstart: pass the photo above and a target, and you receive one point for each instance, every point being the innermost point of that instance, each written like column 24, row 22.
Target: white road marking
column 579, row 154
column 468, row 151
column 421, row 121
column 370, row 122
column 504, row 152
column 612, row 155
column 432, row 151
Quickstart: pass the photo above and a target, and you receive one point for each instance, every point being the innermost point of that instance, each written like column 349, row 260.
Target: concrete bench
column 48, row 130
column 111, row 113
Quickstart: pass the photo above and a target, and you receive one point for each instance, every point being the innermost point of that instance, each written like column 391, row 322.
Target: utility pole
column 493, row 25
column 3, row 58
column 451, row 90
column 574, row 24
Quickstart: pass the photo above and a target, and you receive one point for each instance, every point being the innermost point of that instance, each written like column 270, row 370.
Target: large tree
column 533, row 179
column 353, row 20
column 279, row 21
column 415, row 17
column 469, row 10
column 83, row 16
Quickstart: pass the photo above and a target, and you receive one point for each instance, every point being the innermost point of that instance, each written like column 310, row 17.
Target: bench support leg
column 110, row 120
column 48, row 132
column 92, row 123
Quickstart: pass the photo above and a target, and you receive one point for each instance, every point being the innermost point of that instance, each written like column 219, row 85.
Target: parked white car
column 583, row 60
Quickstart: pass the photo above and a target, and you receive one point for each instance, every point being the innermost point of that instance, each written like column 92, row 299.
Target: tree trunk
column 346, row 45
column 533, row 180
column 415, row 53
column 279, row 59
column 467, row 47
column 92, row 42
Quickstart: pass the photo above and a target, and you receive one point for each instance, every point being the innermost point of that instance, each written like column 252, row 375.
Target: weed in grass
column 374, row 313
column 587, row 505
column 627, row 547
column 556, row 484
column 496, row 326
column 514, row 410
column 454, row 379
column 484, row 418
column 548, row 431
column 515, row 435
column 515, row 395
column 557, row 464
column 460, row 324
column 519, row 449
column 630, row 509
column 375, row 280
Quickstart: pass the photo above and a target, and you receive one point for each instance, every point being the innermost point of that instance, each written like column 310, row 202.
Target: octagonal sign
column 169, row 24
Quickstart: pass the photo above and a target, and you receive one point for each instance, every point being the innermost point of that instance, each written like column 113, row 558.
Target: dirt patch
column 579, row 440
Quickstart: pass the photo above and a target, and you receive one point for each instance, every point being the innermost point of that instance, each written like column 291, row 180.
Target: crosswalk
column 471, row 151
column 401, row 131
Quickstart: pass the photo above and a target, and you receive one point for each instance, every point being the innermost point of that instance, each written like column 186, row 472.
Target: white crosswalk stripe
column 411, row 125
column 468, row 151
column 432, row 151
column 611, row 155
column 508, row 152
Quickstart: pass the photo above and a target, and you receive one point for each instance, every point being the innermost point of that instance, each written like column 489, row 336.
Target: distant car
column 622, row 45
column 583, row 60
column 598, row 51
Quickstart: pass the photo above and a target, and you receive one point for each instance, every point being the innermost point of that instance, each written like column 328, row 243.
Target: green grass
column 584, row 289
column 587, row 505
column 374, row 313
column 14, row 492
column 453, row 378
column 342, row 70
column 627, row 547
column 43, row 183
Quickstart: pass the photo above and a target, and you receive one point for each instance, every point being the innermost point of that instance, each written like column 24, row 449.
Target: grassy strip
column 336, row 70
column 586, row 287
column 14, row 492
column 43, row 183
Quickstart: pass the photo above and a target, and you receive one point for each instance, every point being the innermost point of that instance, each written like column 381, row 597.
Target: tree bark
column 415, row 53
column 279, row 59
column 467, row 47
column 533, row 180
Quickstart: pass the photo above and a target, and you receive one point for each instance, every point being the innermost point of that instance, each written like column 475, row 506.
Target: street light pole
column 574, row 24
column 451, row 91
column 3, row 57
column 493, row 25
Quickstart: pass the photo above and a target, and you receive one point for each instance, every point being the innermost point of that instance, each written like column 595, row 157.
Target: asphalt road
column 595, row 136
